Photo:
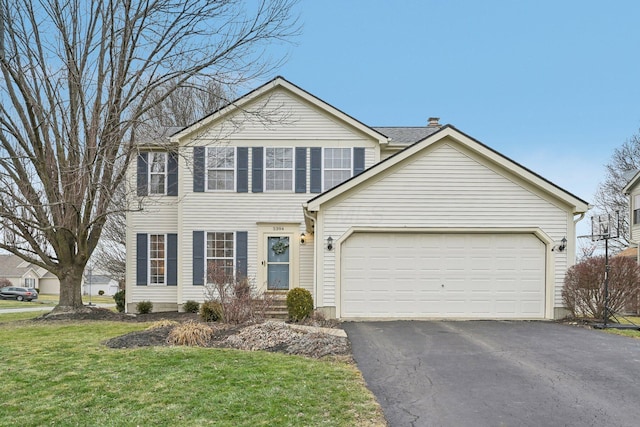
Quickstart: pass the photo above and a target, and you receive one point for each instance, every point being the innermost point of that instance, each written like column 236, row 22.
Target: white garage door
column 475, row 276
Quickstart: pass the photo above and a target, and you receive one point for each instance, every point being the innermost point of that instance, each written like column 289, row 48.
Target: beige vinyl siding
column 635, row 228
column 159, row 215
column 446, row 187
column 229, row 211
column 281, row 116
column 49, row 285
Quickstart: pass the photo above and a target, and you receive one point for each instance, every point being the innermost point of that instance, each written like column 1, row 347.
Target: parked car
column 35, row 292
column 20, row 294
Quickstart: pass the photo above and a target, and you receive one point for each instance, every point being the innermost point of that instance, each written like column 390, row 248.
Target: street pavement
column 42, row 308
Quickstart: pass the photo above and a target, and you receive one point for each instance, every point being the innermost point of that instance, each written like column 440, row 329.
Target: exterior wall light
column 563, row 244
column 561, row 247
column 329, row 243
column 302, row 238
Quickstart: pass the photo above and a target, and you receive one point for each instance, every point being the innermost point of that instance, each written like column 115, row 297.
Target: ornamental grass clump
column 299, row 304
column 190, row 333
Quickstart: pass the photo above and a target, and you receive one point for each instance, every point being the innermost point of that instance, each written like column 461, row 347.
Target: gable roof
column 631, row 177
column 264, row 90
column 578, row 205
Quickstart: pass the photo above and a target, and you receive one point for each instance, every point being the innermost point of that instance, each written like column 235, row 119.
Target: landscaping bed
column 312, row 338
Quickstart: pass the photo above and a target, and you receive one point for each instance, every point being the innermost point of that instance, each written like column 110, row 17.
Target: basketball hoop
column 605, row 226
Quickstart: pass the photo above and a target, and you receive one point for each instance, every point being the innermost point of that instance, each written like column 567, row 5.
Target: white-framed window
column 157, row 256
column 636, row 209
column 278, row 169
column 221, row 167
column 337, row 166
column 29, row 282
column 157, row 173
column 220, row 257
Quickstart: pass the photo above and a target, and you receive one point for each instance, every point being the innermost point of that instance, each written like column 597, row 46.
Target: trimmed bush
column 191, row 306
column 211, row 311
column 144, row 307
column 119, row 298
column 100, row 292
column 190, row 333
column 299, row 304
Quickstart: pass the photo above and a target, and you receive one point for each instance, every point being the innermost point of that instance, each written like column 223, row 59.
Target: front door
column 278, row 262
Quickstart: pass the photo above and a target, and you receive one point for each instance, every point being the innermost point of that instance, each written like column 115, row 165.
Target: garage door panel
column 442, row 275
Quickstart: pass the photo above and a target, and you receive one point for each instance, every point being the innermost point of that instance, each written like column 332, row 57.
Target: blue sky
column 554, row 85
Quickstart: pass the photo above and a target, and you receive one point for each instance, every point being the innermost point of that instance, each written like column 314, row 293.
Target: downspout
column 310, row 221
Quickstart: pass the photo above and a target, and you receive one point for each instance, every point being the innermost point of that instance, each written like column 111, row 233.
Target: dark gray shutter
column 198, row 257
column 358, row 160
column 301, row 169
column 172, row 259
column 242, row 183
column 172, row 174
column 316, row 169
column 241, row 254
column 141, row 259
column 198, row 169
column 257, row 154
column 143, row 165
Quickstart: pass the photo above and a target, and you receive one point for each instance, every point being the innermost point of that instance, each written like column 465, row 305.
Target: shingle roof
column 406, row 134
column 9, row 266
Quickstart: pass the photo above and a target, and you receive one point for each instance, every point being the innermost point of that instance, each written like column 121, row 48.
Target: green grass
column 69, row 378
column 11, row 317
column 626, row 332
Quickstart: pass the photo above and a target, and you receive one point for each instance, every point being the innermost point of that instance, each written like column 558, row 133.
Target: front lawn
column 58, row 373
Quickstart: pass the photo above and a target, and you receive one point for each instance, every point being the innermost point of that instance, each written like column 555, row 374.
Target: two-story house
column 384, row 222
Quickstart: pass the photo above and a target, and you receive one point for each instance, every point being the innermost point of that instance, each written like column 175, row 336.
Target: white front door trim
column 278, row 229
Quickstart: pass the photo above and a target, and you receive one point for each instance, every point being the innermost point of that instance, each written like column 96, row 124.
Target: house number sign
column 278, row 228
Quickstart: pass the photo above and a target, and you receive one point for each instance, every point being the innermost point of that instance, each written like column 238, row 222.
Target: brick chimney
column 433, row 122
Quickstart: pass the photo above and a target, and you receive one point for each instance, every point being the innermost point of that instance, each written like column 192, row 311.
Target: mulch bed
column 273, row 336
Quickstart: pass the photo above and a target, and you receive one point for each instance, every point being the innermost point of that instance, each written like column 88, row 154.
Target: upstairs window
column 337, row 166
column 157, row 173
column 278, row 166
column 157, row 259
column 221, row 164
column 636, row 209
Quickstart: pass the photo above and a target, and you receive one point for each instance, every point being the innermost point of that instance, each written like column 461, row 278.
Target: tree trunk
column 70, row 290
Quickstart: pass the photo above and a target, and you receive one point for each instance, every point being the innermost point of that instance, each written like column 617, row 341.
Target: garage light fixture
column 329, row 243
column 302, row 237
column 563, row 244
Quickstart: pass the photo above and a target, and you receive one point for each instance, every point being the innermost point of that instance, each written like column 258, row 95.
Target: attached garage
column 443, row 275
column 446, row 228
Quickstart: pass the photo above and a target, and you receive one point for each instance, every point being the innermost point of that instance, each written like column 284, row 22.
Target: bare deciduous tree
column 609, row 198
column 186, row 104
column 78, row 78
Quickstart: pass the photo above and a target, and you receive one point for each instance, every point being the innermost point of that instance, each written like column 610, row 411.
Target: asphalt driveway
column 490, row 373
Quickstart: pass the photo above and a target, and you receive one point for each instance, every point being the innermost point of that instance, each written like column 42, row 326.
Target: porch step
column 277, row 305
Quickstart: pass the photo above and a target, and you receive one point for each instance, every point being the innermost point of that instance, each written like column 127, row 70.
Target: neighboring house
column 25, row 274
column 632, row 191
column 94, row 283
column 385, row 222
